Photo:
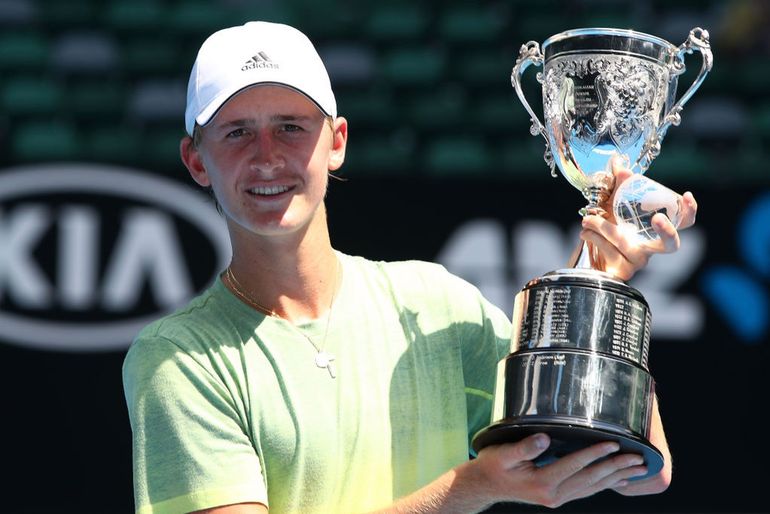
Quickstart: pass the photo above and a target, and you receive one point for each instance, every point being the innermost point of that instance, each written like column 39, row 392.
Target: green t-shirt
column 227, row 405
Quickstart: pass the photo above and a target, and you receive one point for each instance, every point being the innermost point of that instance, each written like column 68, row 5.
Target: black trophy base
column 566, row 439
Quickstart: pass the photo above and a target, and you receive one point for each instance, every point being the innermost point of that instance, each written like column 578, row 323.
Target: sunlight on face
column 267, row 158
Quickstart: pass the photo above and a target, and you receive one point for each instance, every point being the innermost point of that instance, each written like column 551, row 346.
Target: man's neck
column 295, row 278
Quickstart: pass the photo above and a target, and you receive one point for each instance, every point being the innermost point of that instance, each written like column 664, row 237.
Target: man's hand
column 621, row 256
column 508, row 473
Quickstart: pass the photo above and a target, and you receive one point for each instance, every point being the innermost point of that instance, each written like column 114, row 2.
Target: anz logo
column 499, row 264
column 89, row 254
column 741, row 293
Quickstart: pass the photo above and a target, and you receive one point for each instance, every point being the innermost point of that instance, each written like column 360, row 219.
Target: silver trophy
column 578, row 363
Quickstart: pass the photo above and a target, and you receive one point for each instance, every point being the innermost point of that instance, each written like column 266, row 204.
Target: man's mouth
column 269, row 190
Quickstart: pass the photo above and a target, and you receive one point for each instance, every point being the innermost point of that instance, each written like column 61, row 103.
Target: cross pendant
column 325, row 360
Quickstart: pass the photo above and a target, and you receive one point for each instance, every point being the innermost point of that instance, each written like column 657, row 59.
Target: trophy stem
column 586, row 256
column 597, row 194
column 583, row 257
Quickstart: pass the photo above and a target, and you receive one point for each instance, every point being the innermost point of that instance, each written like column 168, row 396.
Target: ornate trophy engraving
column 578, row 363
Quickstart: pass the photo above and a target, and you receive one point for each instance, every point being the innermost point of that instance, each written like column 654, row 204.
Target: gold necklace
column 323, row 359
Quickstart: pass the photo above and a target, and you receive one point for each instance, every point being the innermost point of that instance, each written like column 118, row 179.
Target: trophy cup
column 579, row 348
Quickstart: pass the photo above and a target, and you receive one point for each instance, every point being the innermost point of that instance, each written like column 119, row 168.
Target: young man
column 310, row 381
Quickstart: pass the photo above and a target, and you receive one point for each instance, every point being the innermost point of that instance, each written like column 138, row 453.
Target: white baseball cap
column 258, row 52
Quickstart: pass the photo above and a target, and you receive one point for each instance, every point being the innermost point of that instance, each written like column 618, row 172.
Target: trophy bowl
column 580, row 342
column 606, row 93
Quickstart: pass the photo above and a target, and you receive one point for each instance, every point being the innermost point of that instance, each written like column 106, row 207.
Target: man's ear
column 339, row 143
column 191, row 158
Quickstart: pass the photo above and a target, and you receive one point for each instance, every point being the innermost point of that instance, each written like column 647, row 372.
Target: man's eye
column 291, row 128
column 236, row 133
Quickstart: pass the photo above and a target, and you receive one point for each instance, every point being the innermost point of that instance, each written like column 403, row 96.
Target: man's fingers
column 619, row 164
column 603, row 475
column 689, row 210
column 573, row 463
column 513, row 454
column 620, row 256
column 669, row 236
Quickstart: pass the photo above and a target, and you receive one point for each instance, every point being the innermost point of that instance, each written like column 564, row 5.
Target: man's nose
column 266, row 156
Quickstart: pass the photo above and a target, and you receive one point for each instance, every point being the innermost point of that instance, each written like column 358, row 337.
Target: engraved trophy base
column 568, row 438
column 578, row 368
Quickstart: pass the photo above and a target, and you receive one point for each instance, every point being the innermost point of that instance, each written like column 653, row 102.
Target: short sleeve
column 485, row 340
column 191, row 448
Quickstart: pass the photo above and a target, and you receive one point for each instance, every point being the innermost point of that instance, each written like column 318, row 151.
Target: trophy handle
column 697, row 40
column 530, row 54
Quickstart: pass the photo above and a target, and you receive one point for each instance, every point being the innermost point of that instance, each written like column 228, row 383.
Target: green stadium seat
column 93, row 98
column 277, row 12
column 321, row 20
column 485, row 67
column 114, row 144
column 470, row 23
column 153, row 55
column 379, row 155
column 761, row 121
column 680, row 161
column 396, row 22
column 459, row 156
column 753, row 79
column 57, row 14
column 368, row 106
column 495, row 112
column 40, row 141
column 439, row 109
column 607, row 14
column 135, row 15
column 23, row 51
column 749, row 165
column 538, row 27
column 413, row 66
column 199, row 18
column 27, row 95
column 522, row 159
column 160, row 146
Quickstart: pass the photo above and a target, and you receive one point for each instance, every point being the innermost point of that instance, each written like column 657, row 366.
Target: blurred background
column 102, row 230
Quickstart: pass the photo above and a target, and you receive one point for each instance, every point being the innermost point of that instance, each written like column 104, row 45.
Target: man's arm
column 659, row 482
column 506, row 473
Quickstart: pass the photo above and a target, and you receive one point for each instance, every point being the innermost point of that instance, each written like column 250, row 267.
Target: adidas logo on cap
column 215, row 76
column 261, row 60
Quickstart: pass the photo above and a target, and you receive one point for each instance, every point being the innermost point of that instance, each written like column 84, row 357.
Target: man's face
column 266, row 155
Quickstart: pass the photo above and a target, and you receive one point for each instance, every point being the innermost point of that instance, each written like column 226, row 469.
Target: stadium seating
column 425, row 85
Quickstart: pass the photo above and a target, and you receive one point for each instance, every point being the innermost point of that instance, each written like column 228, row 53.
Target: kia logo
column 90, row 254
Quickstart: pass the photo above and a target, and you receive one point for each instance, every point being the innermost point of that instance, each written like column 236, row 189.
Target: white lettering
column 147, row 248
column 20, row 232
column 78, row 256
column 49, row 255
column 675, row 314
column 540, row 247
column 476, row 252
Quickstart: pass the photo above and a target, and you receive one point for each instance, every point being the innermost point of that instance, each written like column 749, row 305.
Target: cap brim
column 210, row 111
